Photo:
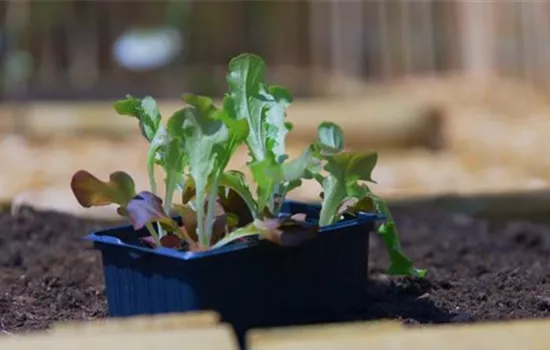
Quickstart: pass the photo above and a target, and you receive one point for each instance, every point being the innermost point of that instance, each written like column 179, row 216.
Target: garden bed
column 479, row 270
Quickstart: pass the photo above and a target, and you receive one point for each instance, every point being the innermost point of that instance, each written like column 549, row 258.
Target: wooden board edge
column 262, row 337
column 218, row 337
column 199, row 319
column 502, row 335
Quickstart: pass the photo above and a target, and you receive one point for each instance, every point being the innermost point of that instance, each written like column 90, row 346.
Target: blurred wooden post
column 507, row 50
column 418, row 37
column 476, row 23
column 15, row 23
column 346, row 37
column 385, row 47
column 83, row 44
column 534, row 23
column 525, row 18
column 429, row 51
column 543, row 24
column 282, row 48
column 407, row 38
column 318, row 33
column 46, row 70
column 319, row 45
column 446, row 36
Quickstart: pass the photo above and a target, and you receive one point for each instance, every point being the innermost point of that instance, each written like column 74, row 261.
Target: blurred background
column 453, row 94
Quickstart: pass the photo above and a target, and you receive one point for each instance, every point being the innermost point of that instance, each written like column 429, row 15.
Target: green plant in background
column 219, row 206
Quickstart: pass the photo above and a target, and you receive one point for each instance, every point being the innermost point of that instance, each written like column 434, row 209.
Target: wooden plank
column 220, row 337
column 379, row 122
column 191, row 320
column 260, row 338
column 526, row 205
column 528, row 335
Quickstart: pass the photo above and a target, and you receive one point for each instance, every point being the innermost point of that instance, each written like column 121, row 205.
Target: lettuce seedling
column 345, row 190
column 209, row 137
column 164, row 149
column 218, row 205
column 264, row 109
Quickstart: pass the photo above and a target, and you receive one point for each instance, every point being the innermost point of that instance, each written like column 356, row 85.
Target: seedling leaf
column 287, row 231
column 208, row 145
column 235, row 197
column 171, row 241
column 145, row 110
column 242, row 232
column 296, row 168
column 330, row 138
column 399, row 263
column 344, row 171
column 236, row 182
column 146, row 208
column 189, row 218
column 92, row 192
column 263, row 107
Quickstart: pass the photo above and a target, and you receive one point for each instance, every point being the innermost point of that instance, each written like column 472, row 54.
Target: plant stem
column 210, row 209
column 160, row 230
column 261, row 203
column 279, row 194
column 151, row 230
column 273, row 208
column 151, row 172
column 192, row 244
column 169, row 195
column 153, row 186
column 199, row 200
column 331, row 200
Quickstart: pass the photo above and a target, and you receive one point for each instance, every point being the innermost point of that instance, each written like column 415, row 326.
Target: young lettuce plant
column 217, row 205
column 345, row 191
column 164, row 149
column 194, row 149
column 264, row 109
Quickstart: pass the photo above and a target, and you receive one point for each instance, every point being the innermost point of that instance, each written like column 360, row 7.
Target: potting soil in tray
column 478, row 271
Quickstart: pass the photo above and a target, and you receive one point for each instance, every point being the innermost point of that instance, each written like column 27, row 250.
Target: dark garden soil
column 478, row 271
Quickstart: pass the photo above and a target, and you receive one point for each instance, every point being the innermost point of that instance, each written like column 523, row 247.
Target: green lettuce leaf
column 344, row 192
column 235, row 181
column 164, row 150
column 264, row 109
column 145, row 110
column 344, row 170
column 400, row 264
column 208, row 144
column 330, row 138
